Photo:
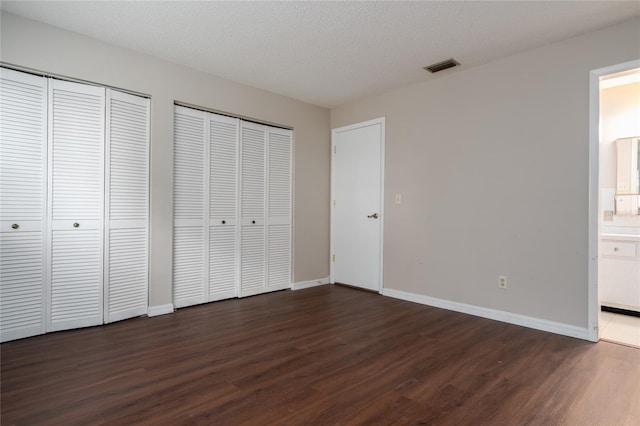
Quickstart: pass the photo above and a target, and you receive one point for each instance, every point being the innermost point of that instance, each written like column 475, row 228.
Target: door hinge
column 334, row 257
column 334, row 149
column 334, row 204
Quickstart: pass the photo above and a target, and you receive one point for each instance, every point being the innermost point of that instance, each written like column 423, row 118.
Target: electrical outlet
column 502, row 282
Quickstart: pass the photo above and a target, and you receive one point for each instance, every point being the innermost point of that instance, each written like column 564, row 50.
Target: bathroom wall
column 619, row 118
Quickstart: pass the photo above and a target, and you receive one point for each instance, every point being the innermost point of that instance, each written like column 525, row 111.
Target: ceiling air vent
column 449, row 63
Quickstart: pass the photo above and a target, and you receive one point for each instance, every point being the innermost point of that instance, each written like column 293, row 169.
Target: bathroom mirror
column 628, row 176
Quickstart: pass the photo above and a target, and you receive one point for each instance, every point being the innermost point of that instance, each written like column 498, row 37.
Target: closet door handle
column 224, row 221
column 15, row 226
column 76, row 225
column 253, row 221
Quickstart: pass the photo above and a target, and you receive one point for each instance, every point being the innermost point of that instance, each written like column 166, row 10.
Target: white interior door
column 76, row 188
column 23, row 170
column 223, row 206
column 252, row 220
column 279, row 209
column 189, row 201
column 127, row 206
column 357, row 211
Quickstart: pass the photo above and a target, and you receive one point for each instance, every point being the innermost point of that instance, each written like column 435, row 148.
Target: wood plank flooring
column 326, row 355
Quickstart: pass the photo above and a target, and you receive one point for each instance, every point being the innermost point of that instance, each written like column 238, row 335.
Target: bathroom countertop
column 620, row 237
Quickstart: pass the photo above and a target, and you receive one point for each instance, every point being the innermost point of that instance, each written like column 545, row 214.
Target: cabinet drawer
column 613, row 248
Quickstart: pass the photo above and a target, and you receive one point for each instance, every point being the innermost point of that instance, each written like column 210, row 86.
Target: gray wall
column 31, row 44
column 492, row 163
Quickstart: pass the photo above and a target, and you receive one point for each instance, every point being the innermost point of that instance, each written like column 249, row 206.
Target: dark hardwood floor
column 326, row 355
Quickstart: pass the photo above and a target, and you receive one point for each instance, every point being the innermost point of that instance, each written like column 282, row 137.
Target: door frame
column 334, row 132
column 594, row 190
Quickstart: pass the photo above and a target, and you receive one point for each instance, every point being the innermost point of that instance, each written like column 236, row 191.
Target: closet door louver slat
column 23, row 168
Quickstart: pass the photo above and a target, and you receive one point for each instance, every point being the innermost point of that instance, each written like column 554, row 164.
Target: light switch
column 398, row 198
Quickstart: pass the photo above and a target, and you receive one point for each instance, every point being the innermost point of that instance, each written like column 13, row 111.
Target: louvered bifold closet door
column 76, row 191
column 252, row 222
column 126, row 206
column 279, row 209
column 189, row 240
column 223, row 206
column 23, row 165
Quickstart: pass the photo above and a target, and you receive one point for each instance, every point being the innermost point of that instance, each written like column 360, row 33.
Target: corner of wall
column 157, row 310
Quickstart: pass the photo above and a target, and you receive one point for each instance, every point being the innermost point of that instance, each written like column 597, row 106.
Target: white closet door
column 279, row 211
column 76, row 179
column 23, row 162
column 126, row 206
column 252, row 222
column 189, row 202
column 223, row 206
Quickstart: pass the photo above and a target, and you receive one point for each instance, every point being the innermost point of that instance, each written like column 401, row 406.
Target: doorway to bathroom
column 617, row 236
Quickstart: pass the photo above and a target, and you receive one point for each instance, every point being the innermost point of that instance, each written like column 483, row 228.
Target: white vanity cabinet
column 619, row 272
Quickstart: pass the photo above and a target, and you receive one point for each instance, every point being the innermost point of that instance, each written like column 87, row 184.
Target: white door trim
column 594, row 188
column 381, row 122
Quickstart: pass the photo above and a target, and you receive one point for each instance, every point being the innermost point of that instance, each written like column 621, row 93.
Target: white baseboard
column 154, row 311
column 308, row 284
column 479, row 311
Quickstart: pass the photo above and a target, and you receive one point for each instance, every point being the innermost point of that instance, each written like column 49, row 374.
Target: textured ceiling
column 327, row 53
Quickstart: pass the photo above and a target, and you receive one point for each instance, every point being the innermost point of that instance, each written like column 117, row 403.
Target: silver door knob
column 76, row 225
column 15, row 226
column 373, row 216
